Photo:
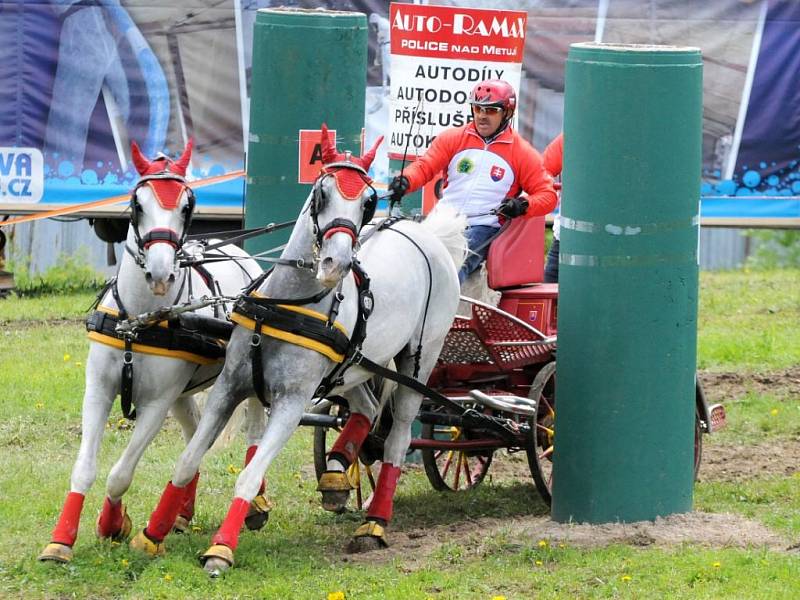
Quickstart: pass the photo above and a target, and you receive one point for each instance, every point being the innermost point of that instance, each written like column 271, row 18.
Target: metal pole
column 309, row 68
column 627, row 323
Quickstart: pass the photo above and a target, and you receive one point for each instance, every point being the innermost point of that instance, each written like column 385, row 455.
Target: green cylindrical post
column 627, row 323
column 309, row 68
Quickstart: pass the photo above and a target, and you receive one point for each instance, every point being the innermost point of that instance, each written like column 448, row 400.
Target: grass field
column 749, row 326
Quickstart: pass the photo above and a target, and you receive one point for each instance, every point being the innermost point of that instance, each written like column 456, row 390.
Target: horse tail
column 447, row 224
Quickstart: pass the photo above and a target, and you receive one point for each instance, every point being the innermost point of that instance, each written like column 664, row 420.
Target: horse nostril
column 148, row 276
column 327, row 262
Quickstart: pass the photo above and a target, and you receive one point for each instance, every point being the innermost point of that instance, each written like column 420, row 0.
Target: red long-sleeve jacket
column 478, row 176
column 553, row 155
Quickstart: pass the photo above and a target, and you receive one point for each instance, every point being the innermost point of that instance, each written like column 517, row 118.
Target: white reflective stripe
column 628, row 229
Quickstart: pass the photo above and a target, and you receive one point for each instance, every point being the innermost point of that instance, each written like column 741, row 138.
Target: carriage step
column 507, row 403
column 717, row 418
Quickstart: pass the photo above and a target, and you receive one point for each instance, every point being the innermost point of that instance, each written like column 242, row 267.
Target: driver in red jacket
column 486, row 166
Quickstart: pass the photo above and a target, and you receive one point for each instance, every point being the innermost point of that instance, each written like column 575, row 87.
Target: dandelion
column 539, row 563
column 716, row 565
column 498, row 598
column 167, row 577
column 626, row 578
column 233, row 470
column 121, row 423
column 124, row 562
column 562, row 545
column 39, row 405
column 335, row 595
column 774, row 412
column 78, row 363
column 67, row 357
column 196, row 529
column 543, row 544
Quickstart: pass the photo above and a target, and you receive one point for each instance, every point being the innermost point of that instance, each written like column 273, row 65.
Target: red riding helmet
column 494, row 92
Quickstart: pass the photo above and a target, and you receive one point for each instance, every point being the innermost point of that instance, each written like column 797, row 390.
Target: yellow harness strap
column 145, row 349
column 292, row 338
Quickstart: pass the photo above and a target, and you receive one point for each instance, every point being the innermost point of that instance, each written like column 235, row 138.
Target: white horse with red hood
column 413, row 294
column 159, row 370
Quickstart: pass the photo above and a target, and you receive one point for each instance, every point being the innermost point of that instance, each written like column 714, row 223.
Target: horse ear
column 367, row 159
column 139, row 161
column 328, row 148
column 180, row 165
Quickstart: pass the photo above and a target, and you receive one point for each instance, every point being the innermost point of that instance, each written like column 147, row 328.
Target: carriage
column 499, row 360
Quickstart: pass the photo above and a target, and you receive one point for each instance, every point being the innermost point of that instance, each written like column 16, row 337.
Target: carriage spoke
column 467, row 471
column 457, row 475
column 547, row 430
column 447, row 463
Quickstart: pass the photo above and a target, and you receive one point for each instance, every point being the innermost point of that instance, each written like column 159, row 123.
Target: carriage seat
column 516, row 257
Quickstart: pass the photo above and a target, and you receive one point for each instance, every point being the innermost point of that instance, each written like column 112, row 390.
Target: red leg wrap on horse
column 228, row 532
column 110, row 518
column 163, row 517
column 350, row 439
column 381, row 506
column 66, row 531
column 251, row 452
column 187, row 506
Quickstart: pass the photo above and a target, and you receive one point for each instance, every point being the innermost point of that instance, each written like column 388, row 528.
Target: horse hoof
column 181, row 524
column 335, row 501
column 368, row 537
column 54, row 552
column 217, row 559
column 258, row 515
column 335, row 487
column 142, row 543
column 118, row 536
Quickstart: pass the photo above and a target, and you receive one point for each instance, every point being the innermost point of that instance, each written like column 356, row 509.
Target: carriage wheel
column 540, row 451
column 359, row 473
column 698, row 429
column 453, row 470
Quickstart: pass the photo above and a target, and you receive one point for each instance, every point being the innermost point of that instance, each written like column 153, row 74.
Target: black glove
column 398, row 187
column 513, row 207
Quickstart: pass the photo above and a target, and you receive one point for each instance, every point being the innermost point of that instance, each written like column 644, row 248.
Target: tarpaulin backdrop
column 79, row 80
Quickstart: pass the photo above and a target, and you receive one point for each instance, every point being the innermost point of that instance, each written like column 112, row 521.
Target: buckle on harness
column 127, row 357
column 255, row 340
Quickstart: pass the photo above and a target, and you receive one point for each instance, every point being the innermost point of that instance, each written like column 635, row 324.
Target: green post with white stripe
column 309, row 68
column 627, row 322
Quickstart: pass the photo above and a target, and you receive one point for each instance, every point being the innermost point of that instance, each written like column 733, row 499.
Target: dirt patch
column 738, row 462
column 730, row 385
column 704, row 529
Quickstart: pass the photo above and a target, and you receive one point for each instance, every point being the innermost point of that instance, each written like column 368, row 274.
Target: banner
column 81, row 80
column 438, row 54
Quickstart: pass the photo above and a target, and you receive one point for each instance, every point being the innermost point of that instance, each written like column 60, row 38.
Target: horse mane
column 447, row 224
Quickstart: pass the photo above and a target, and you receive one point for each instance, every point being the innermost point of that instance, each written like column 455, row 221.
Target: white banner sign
column 439, row 53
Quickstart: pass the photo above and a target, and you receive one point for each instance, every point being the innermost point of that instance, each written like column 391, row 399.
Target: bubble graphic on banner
column 751, row 179
column 727, row 187
column 796, row 187
column 773, row 180
column 89, row 177
column 65, row 168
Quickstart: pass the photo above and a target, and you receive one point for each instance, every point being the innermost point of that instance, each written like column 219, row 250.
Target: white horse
column 413, row 270
column 148, row 278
